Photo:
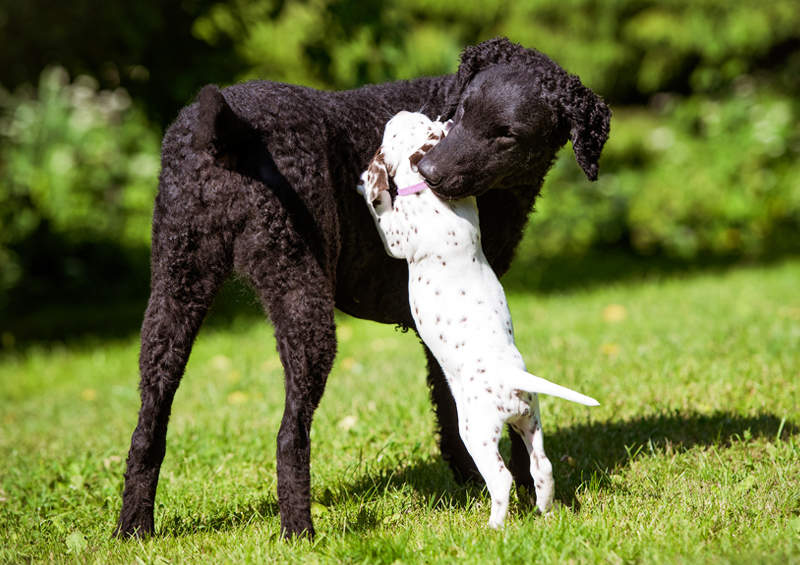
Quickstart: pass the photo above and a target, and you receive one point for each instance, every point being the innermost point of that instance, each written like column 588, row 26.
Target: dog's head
column 513, row 110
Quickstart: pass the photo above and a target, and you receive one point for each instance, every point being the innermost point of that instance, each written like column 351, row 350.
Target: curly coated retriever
column 260, row 179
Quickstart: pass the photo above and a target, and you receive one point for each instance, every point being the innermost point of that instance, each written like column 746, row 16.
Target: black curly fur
column 587, row 115
column 259, row 179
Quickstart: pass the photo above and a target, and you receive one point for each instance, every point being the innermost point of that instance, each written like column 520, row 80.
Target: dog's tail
column 524, row 381
column 218, row 128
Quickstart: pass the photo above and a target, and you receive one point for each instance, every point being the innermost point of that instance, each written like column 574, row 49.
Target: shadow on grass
column 578, row 452
column 592, row 452
column 224, row 519
column 113, row 317
column 600, row 448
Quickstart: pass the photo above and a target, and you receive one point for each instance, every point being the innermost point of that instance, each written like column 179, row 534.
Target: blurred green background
column 701, row 168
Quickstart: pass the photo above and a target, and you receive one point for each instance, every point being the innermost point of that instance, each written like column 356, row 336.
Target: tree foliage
column 704, row 154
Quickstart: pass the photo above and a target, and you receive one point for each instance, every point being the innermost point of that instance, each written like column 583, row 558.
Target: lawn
column 693, row 455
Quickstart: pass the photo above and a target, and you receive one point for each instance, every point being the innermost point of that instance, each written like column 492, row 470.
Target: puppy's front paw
column 382, row 202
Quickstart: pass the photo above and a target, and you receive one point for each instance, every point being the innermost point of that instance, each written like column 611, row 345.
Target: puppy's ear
column 377, row 176
column 589, row 119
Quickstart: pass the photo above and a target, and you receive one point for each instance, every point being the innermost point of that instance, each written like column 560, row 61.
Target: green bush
column 78, row 165
column 703, row 158
column 694, row 177
column 626, row 49
column 703, row 154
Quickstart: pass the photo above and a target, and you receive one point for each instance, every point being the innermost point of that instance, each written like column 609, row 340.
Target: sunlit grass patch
column 693, row 455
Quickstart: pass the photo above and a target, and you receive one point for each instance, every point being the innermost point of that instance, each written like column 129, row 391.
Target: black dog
column 260, row 179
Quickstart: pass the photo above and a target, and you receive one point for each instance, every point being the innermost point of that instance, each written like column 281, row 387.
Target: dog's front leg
column 379, row 204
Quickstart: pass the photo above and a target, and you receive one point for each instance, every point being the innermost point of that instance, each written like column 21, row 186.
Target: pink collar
column 413, row 189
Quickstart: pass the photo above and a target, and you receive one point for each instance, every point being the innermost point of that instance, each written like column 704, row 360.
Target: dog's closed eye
column 502, row 131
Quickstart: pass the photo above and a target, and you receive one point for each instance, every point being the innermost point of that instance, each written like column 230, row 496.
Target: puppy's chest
column 438, row 228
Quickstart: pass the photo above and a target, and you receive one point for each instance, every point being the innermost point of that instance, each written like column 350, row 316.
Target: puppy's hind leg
column 451, row 444
column 529, row 429
column 481, row 436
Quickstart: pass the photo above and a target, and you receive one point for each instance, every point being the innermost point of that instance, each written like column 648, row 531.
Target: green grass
column 693, row 456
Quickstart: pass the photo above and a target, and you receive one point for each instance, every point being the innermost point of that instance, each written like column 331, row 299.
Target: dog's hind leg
column 299, row 300
column 187, row 269
column 450, row 443
column 482, row 437
column 529, row 429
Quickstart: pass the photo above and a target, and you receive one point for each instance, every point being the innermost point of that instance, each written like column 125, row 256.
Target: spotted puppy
column 460, row 308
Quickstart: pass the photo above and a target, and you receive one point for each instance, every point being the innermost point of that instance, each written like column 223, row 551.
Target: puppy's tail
column 527, row 382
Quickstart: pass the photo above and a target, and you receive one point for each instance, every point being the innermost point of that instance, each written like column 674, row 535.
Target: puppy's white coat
column 460, row 309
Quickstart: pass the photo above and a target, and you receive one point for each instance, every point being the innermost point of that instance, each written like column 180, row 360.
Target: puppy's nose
column 432, row 174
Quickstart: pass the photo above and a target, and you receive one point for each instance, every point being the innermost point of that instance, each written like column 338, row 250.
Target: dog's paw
column 382, row 202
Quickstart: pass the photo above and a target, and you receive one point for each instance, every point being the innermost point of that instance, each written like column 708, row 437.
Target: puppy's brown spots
column 416, row 157
column 377, row 172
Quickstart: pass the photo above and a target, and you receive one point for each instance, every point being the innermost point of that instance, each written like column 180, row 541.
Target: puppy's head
column 406, row 139
column 514, row 109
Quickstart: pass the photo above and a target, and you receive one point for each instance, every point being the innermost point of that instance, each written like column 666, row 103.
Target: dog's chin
column 456, row 188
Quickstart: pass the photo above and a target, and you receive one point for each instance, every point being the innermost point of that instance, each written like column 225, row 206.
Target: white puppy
column 460, row 309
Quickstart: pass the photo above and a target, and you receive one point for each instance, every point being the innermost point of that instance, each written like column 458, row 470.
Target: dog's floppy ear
column 588, row 117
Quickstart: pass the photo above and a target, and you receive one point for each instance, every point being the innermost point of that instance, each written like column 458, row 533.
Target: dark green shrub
column 78, row 165
column 697, row 176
